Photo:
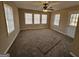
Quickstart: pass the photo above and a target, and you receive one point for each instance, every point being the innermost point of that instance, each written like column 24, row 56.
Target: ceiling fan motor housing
column 45, row 5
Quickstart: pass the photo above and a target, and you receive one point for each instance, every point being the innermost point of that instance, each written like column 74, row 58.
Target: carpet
column 38, row 43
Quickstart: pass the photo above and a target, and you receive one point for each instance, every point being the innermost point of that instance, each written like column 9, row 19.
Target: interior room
column 39, row 28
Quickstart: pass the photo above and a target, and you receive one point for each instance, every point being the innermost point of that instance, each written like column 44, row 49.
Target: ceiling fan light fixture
column 45, row 10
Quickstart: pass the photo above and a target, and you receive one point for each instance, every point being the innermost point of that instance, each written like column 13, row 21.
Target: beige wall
column 5, row 39
column 75, row 45
column 23, row 26
column 64, row 19
column 62, row 22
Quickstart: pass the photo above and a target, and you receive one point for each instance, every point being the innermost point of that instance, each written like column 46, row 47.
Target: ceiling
column 37, row 5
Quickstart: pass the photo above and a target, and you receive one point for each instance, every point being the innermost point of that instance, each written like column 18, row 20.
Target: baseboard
column 4, row 55
column 72, row 54
column 62, row 33
column 11, row 43
column 33, row 29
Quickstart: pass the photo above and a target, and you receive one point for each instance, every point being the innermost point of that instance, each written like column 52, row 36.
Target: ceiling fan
column 46, row 7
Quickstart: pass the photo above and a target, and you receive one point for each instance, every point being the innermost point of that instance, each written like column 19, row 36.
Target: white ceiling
column 37, row 5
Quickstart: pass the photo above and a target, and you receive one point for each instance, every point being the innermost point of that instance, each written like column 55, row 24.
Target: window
column 44, row 19
column 73, row 19
column 36, row 18
column 28, row 18
column 9, row 18
column 57, row 19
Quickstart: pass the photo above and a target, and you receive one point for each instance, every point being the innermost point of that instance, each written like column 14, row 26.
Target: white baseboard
column 72, row 54
column 11, row 43
column 61, row 33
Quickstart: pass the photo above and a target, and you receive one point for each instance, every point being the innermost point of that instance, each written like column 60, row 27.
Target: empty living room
column 39, row 28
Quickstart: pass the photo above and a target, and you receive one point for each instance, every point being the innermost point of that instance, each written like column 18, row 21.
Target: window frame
column 7, row 18
column 26, row 19
column 57, row 19
column 46, row 18
column 39, row 18
column 74, row 22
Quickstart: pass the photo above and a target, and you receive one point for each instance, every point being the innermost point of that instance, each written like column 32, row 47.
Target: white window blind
column 73, row 19
column 9, row 18
column 44, row 19
column 57, row 19
column 28, row 18
column 36, row 18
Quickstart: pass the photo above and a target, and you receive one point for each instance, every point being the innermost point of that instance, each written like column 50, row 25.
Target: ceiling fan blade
column 50, row 9
column 52, row 4
column 40, row 8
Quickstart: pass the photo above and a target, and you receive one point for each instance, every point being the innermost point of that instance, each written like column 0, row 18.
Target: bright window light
column 44, row 19
column 36, row 18
column 73, row 19
column 9, row 18
column 28, row 18
column 57, row 19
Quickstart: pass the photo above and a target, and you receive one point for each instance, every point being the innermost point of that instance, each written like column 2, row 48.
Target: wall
column 64, row 20
column 71, row 31
column 5, row 39
column 23, row 26
column 74, row 47
column 62, row 25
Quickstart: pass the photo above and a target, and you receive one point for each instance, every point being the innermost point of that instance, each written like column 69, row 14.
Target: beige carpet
column 39, row 43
